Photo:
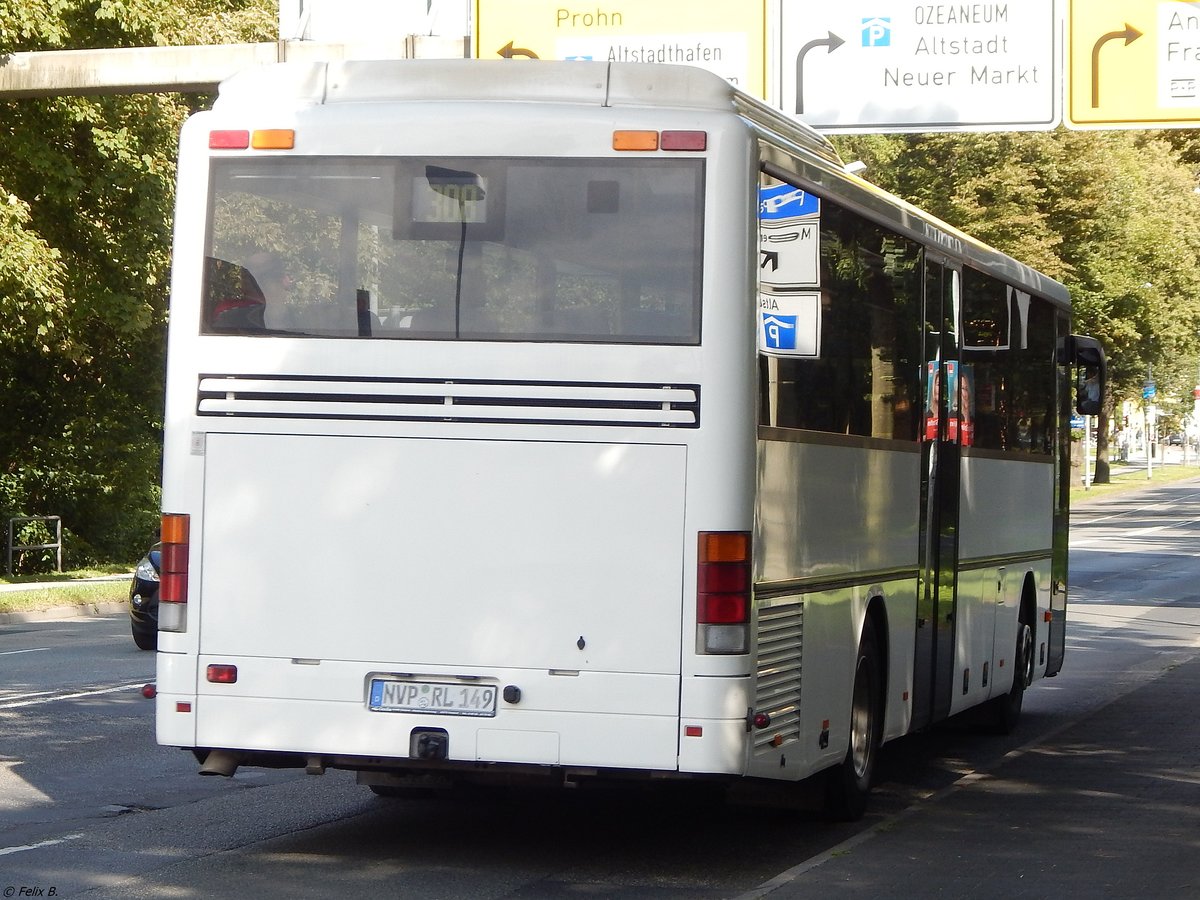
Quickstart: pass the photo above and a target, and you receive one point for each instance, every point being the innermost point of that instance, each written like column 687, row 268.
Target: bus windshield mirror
column 465, row 187
column 462, row 187
column 1091, row 375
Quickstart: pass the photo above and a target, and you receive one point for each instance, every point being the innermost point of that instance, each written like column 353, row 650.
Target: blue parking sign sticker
column 790, row 324
column 779, row 332
column 877, row 31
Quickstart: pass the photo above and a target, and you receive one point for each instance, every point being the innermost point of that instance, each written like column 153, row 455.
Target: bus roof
column 529, row 81
column 617, row 85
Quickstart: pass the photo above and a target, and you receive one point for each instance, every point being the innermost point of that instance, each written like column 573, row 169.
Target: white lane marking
column 30, row 650
column 4, row 851
column 74, row 696
column 6, row 697
column 1136, row 533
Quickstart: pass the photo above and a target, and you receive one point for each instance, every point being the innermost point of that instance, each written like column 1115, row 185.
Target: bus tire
column 1004, row 712
column 848, row 784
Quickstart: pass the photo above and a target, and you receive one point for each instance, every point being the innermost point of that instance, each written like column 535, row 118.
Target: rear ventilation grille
column 430, row 400
column 777, row 682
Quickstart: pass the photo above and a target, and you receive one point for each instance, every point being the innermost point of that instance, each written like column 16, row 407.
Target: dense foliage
column 86, row 191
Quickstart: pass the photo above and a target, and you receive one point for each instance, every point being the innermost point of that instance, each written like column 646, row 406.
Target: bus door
column 941, row 441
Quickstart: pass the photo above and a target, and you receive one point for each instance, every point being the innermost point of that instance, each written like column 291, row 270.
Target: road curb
column 57, row 613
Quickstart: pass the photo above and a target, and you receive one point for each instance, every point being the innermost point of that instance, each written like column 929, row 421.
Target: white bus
column 505, row 439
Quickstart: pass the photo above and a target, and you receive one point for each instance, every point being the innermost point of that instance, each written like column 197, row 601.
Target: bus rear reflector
column 228, row 140
column 173, row 577
column 723, row 592
column 684, row 140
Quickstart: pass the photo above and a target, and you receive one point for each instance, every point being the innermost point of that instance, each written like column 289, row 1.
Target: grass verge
column 39, row 598
column 48, row 590
column 1134, row 480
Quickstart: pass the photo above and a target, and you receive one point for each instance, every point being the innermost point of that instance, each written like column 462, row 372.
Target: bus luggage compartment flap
column 431, row 553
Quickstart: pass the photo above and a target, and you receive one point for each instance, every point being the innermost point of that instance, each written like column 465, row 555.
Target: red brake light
column 222, row 674
column 724, row 578
column 723, row 609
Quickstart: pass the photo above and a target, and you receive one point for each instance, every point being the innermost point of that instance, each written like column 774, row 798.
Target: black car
column 143, row 600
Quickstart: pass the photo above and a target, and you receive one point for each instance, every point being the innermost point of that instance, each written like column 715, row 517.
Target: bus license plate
column 432, row 697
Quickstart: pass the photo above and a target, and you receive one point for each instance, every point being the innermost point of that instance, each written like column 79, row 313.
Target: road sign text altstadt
column 900, row 65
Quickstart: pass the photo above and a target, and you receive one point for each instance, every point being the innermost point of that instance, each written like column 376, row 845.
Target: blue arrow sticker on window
column 782, row 201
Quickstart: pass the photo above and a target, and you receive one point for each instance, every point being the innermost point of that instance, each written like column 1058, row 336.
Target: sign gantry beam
column 193, row 69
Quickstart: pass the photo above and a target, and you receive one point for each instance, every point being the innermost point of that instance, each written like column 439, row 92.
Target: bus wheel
column 1004, row 712
column 849, row 783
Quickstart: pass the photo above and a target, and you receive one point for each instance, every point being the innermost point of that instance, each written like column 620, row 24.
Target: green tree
column 86, row 193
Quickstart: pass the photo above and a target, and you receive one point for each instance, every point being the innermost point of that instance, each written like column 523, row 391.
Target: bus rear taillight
column 259, row 139
column 173, row 583
column 221, row 674
column 667, row 140
column 723, row 592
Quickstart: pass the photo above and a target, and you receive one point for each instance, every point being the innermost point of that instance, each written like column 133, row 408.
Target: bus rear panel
column 435, row 402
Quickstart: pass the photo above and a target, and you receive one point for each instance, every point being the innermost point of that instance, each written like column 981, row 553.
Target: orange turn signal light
column 273, row 139
column 724, row 546
column 175, row 528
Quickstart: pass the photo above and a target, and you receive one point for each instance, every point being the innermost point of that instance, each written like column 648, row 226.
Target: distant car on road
column 1175, row 440
column 143, row 600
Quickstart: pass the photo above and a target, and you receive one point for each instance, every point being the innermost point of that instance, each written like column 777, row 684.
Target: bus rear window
column 596, row 250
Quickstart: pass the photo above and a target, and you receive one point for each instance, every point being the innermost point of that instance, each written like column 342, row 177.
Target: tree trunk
column 1101, row 475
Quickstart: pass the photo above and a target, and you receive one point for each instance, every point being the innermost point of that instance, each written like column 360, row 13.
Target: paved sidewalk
column 1109, row 807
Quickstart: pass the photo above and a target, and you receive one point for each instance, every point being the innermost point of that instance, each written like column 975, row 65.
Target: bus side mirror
column 1091, row 372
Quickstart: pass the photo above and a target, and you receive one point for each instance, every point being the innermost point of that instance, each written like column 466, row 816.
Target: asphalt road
column 91, row 806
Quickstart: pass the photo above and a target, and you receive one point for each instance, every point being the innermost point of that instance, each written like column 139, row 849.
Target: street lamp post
column 1149, row 389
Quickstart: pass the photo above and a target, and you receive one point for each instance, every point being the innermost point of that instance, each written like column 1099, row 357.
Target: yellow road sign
column 1133, row 63
column 725, row 38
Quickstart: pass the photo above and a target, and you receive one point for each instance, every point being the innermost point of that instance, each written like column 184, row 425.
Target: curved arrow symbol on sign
column 1129, row 35
column 832, row 42
column 508, row 51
